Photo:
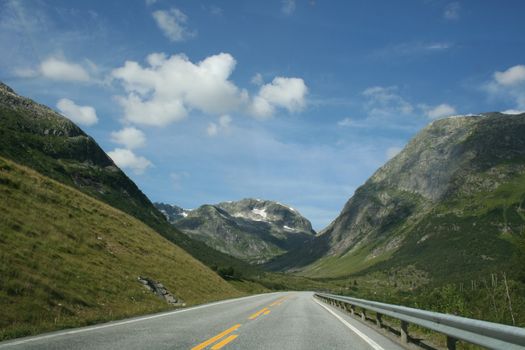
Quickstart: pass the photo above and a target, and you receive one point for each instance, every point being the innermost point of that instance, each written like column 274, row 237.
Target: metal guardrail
column 487, row 334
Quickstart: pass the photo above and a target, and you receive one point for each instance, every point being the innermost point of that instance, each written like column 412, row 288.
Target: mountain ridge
column 254, row 230
column 448, row 162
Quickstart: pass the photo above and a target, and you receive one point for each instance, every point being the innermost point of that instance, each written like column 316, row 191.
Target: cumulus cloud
column 224, row 123
column 60, row 69
column 509, row 85
column 126, row 159
column 288, row 6
column 439, row 111
column 84, row 115
column 512, row 76
column 55, row 69
column 172, row 22
column 129, row 137
column 391, row 152
column 452, row 11
column 288, row 93
column 168, row 88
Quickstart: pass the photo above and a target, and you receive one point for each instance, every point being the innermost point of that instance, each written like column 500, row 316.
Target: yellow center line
column 278, row 301
column 255, row 315
column 217, row 337
column 266, row 312
column 224, row 342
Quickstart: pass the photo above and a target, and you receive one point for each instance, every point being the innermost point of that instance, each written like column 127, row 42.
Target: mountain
column 172, row 212
column 34, row 135
column 68, row 259
column 450, row 206
column 250, row 229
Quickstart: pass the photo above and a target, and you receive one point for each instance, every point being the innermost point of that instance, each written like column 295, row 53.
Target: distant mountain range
column 451, row 204
column 250, row 229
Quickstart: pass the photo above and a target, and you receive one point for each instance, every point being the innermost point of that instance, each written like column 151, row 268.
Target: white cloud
column 391, row 152
column 150, row 2
column 412, row 49
column 129, row 137
column 509, row 85
column 60, row 69
column 84, row 115
column 288, row 7
column 439, row 111
column 224, row 123
column 451, row 11
column 173, row 24
column 126, row 159
column 166, row 90
column 170, row 87
column 386, row 102
column 437, row 46
column 513, row 111
column 288, row 93
column 257, row 79
column 512, row 76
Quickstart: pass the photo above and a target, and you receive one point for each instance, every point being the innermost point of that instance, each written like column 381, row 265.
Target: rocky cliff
column 442, row 204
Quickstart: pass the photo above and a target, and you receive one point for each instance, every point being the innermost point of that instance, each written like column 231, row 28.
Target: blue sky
column 295, row 101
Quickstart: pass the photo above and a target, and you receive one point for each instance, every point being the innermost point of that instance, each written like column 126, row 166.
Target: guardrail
column 487, row 334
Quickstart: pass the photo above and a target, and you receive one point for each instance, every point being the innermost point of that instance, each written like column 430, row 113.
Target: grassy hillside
column 67, row 259
column 36, row 136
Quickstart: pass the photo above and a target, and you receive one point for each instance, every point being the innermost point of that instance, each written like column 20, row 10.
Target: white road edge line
column 355, row 330
column 119, row 323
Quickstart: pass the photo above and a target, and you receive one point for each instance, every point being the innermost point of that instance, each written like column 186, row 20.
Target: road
column 288, row 320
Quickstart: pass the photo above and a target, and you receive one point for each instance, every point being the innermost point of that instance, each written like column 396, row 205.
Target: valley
column 440, row 226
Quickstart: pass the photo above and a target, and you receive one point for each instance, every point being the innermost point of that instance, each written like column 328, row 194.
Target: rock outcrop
column 159, row 290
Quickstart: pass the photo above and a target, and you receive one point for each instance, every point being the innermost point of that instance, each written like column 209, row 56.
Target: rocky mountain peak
column 251, row 229
column 426, row 165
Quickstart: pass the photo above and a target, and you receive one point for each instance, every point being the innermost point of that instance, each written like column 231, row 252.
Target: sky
column 297, row 101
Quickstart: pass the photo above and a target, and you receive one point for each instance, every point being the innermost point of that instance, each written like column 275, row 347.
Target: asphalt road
column 290, row 320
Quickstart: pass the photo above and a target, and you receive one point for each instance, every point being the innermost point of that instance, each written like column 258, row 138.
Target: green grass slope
column 36, row 136
column 67, row 259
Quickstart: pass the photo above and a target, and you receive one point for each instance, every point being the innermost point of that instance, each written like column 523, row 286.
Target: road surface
column 288, row 320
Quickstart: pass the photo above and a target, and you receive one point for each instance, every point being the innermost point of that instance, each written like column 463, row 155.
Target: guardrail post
column 352, row 309
column 451, row 343
column 404, row 332
column 363, row 314
column 379, row 320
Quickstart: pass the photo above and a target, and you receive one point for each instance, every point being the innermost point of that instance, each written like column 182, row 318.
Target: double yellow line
column 217, row 337
column 264, row 311
column 225, row 341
